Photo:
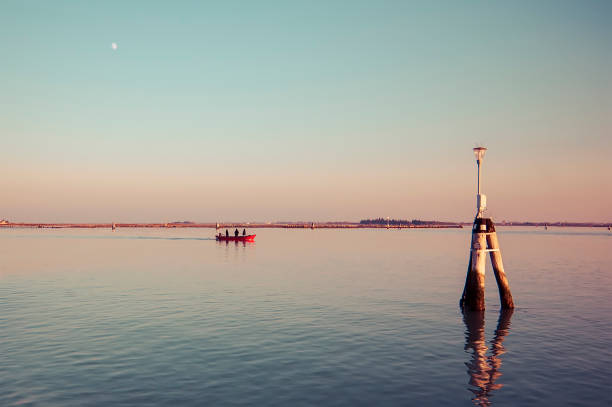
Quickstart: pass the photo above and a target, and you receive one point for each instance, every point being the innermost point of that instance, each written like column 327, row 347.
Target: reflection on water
column 236, row 243
column 484, row 371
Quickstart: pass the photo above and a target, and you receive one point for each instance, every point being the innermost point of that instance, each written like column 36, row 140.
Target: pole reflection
column 484, row 371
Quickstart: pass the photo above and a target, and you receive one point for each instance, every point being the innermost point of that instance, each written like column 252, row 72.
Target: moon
column 114, row 45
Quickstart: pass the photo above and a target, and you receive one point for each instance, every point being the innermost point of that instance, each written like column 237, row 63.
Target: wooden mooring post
column 484, row 240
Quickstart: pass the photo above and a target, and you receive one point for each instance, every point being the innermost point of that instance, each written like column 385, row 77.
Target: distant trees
column 402, row 222
column 383, row 221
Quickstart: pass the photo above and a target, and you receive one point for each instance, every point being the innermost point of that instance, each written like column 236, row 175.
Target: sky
column 314, row 111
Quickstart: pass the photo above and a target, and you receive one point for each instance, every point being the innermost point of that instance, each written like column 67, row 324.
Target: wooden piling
column 505, row 296
column 484, row 239
column 473, row 293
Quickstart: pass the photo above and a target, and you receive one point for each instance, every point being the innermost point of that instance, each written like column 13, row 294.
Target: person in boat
column 236, row 233
column 226, row 233
column 243, row 232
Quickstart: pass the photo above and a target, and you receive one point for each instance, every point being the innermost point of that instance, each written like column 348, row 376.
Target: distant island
column 558, row 224
column 376, row 223
column 418, row 222
column 408, row 223
column 252, row 225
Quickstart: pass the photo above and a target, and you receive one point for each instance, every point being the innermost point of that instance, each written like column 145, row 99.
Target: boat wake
column 115, row 237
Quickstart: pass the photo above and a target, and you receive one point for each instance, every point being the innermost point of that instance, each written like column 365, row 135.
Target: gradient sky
column 318, row 110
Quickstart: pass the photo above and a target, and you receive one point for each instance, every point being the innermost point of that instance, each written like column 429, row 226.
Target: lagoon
column 300, row 317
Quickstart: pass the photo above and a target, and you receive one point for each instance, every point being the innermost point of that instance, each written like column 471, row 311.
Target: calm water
column 300, row 317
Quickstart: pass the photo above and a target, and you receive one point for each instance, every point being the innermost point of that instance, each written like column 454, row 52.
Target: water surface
column 300, row 317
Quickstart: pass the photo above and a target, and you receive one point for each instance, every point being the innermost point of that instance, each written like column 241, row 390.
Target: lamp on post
column 481, row 199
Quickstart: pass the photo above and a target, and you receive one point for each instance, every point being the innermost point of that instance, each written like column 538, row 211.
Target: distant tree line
column 402, row 222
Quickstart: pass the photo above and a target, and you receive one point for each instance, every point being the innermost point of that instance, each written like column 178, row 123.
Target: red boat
column 247, row 238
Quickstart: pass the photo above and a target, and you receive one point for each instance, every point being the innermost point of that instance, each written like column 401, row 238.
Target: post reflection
column 484, row 371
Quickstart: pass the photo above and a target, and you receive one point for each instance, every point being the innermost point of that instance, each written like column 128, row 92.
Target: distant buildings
column 4, row 222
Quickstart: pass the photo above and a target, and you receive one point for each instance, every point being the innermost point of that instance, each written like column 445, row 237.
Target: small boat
column 247, row 238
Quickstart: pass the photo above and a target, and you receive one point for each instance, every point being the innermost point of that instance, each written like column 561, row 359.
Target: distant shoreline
column 310, row 225
column 283, row 225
